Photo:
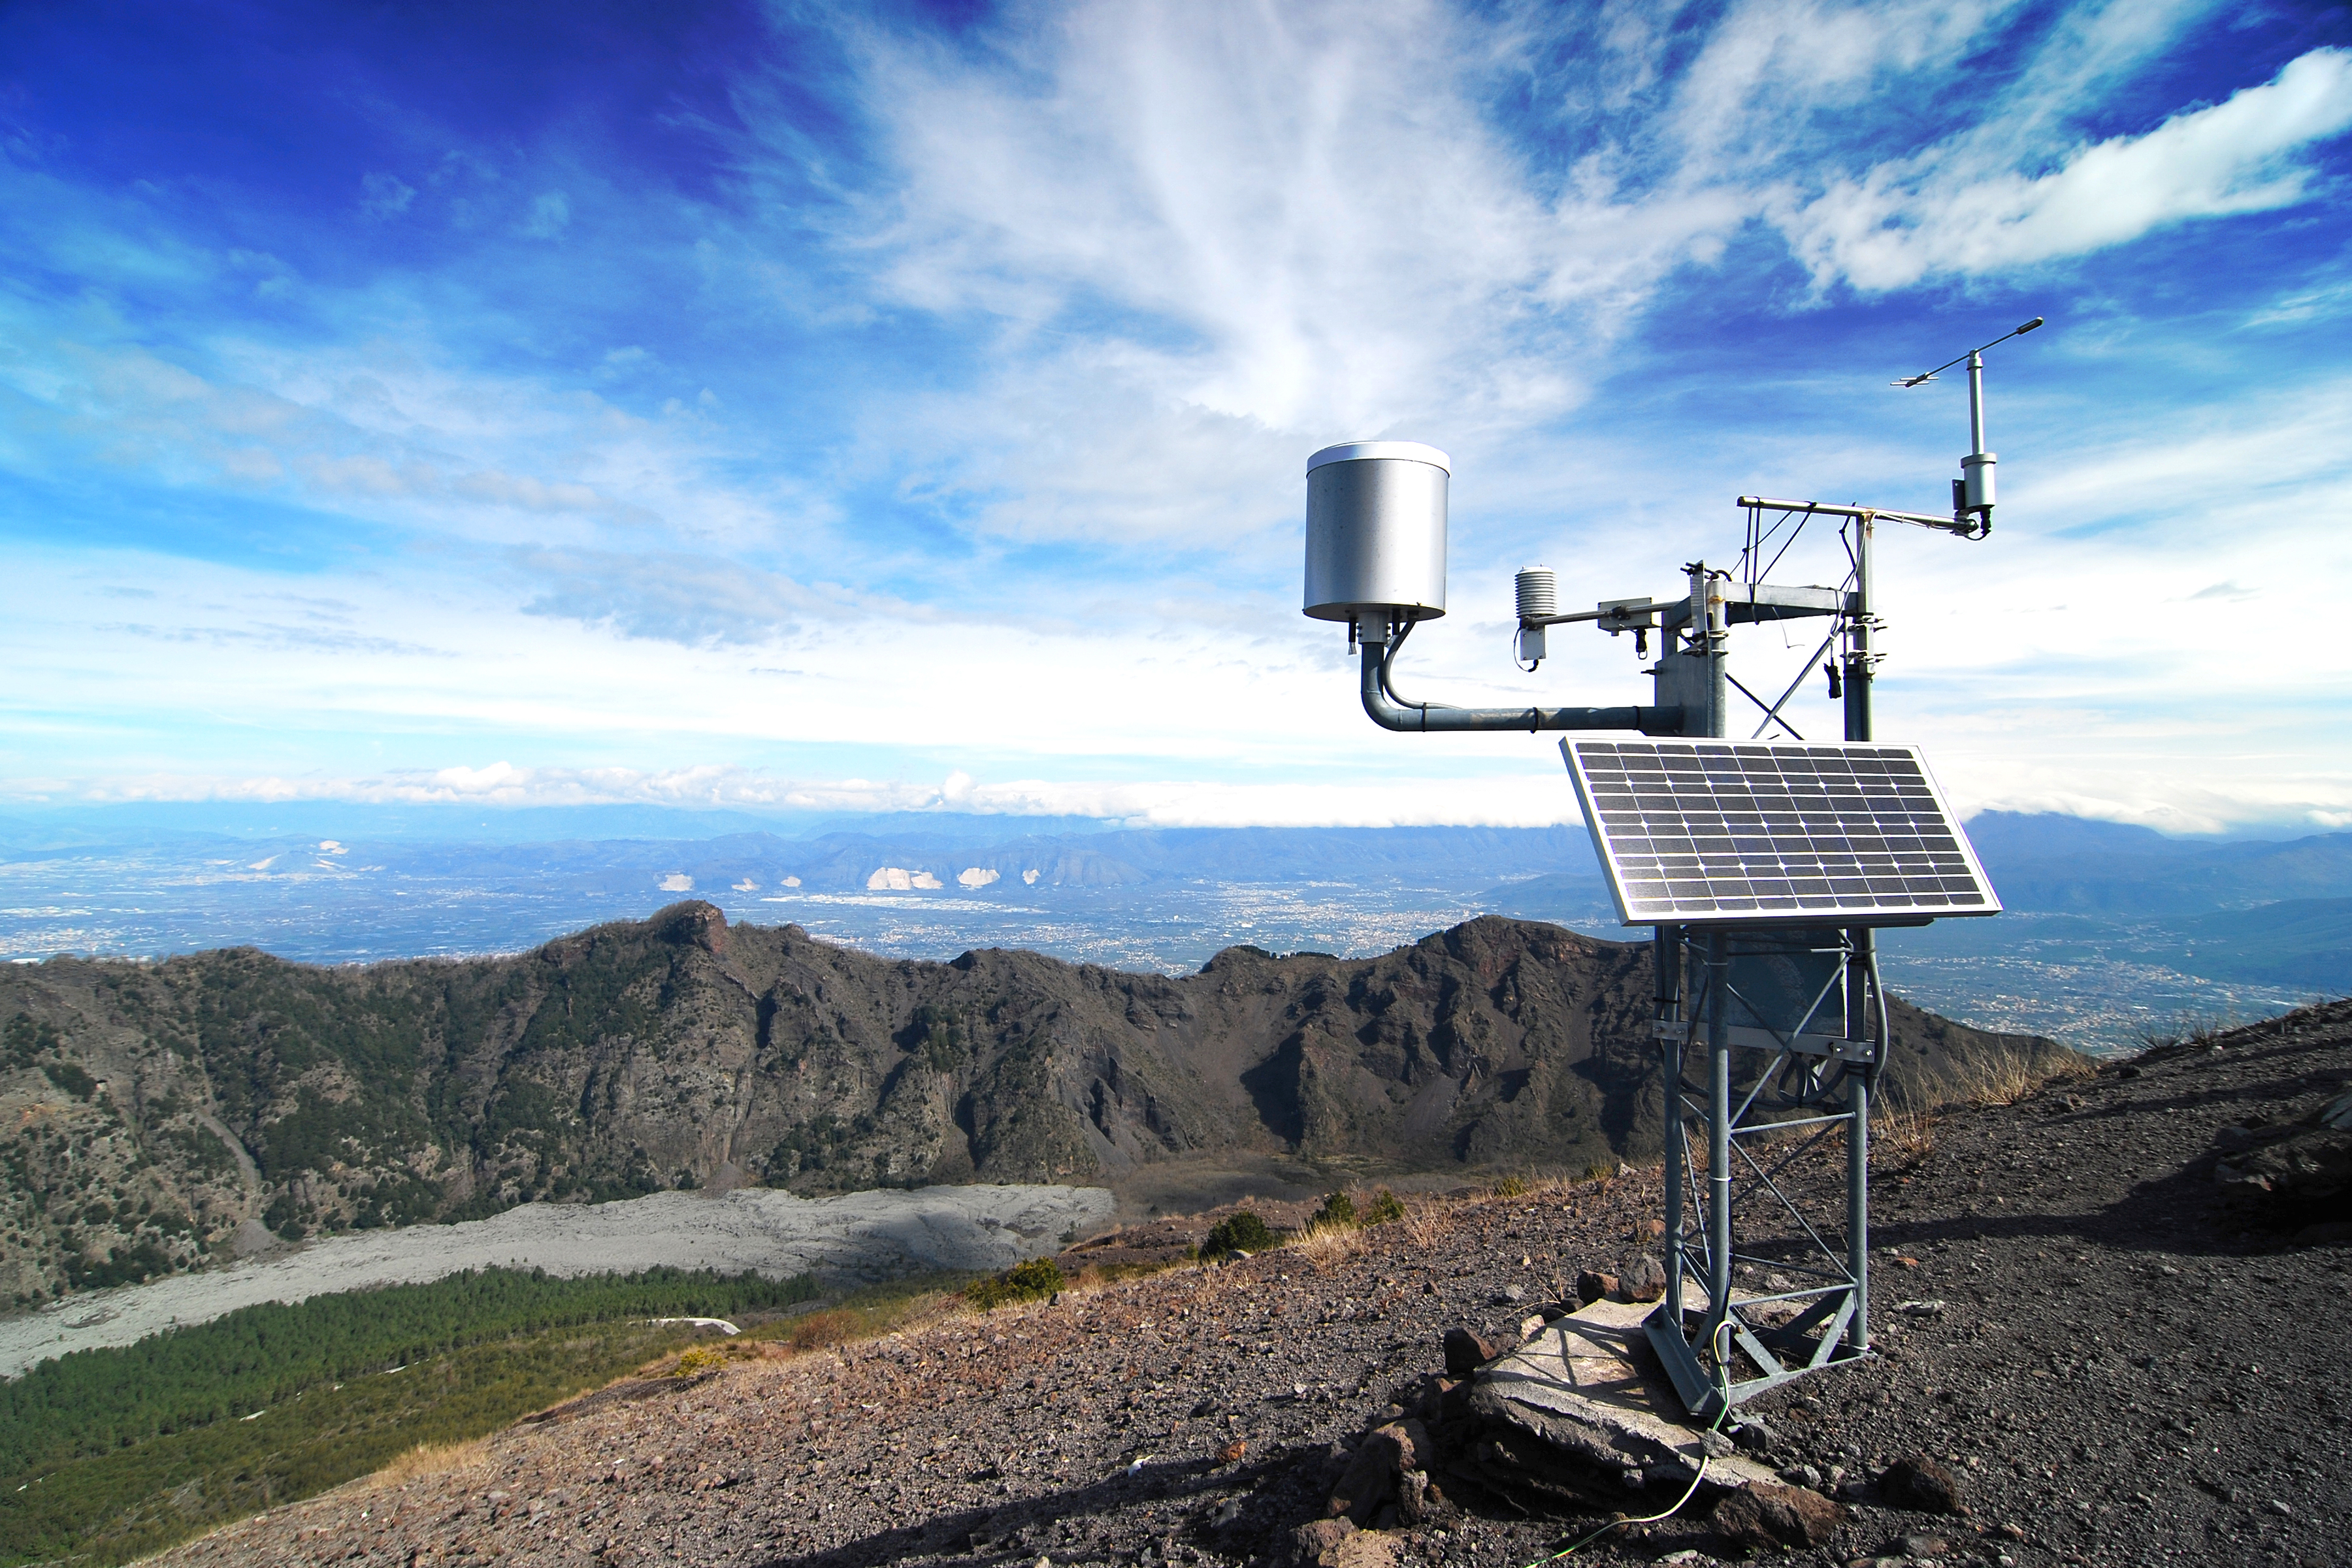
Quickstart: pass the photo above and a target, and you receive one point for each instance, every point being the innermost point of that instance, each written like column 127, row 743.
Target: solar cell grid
column 1722, row 830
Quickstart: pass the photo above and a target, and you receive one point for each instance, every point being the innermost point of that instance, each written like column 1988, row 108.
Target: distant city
column 2113, row 934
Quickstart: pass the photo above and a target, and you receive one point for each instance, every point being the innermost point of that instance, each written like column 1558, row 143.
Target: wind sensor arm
column 1972, row 492
column 2017, row 332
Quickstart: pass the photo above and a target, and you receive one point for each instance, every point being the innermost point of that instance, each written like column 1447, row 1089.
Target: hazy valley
column 2112, row 932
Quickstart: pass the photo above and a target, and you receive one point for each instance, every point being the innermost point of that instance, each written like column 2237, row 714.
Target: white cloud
column 499, row 780
column 549, row 212
column 384, row 195
column 1939, row 212
column 1164, row 251
column 1533, row 802
column 1310, row 202
column 699, row 602
column 395, row 434
column 1769, row 69
column 1209, row 242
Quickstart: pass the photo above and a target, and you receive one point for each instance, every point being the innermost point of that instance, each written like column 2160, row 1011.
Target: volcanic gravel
column 2117, row 1367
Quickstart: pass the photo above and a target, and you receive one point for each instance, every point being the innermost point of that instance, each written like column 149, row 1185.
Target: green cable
column 1723, row 1385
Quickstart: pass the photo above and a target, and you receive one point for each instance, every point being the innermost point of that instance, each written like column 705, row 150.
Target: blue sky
column 907, row 406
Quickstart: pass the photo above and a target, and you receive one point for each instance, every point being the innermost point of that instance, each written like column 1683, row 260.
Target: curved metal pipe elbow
column 1382, row 705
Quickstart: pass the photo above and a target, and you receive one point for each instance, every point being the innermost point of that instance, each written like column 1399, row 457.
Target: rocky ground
column 2124, row 1342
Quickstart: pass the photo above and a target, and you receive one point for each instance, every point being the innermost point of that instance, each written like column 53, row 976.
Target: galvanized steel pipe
column 1390, row 713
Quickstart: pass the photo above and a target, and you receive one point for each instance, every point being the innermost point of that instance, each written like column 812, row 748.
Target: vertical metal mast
column 1666, row 959
column 1705, row 955
column 1861, row 960
column 1719, row 1141
column 1976, row 401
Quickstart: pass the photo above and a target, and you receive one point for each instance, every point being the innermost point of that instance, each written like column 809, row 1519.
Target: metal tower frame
column 1702, row 1240
column 1375, row 559
column 1696, row 963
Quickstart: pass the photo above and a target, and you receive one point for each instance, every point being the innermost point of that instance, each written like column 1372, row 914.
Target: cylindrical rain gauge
column 1376, row 532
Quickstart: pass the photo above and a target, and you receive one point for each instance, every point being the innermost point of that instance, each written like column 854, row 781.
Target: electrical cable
column 1387, row 657
column 1396, row 645
column 1723, row 1384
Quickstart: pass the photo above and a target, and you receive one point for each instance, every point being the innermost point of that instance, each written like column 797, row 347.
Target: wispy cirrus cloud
column 1307, row 216
column 700, row 602
column 1944, row 212
column 1274, row 228
column 904, row 359
column 278, row 638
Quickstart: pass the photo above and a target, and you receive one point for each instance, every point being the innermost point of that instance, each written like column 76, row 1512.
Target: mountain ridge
column 682, row 1052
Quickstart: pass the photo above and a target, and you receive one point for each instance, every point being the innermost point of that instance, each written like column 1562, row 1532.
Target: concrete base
column 1590, row 1383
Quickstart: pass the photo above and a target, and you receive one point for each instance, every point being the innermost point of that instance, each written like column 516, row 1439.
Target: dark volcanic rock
column 1465, row 1353
column 2290, row 1177
column 1381, row 1461
column 1921, row 1485
column 1762, row 1516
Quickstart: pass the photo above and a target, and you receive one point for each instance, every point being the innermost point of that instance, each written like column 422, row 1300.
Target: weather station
column 1764, row 865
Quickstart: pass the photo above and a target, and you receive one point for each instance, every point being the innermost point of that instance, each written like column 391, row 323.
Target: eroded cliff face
column 152, row 1107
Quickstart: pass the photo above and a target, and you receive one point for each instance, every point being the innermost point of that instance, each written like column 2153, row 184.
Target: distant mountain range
column 854, row 858
column 2269, row 911
column 2041, row 863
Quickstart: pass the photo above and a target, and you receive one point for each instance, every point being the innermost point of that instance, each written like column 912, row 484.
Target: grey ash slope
column 680, row 1052
column 2127, row 1368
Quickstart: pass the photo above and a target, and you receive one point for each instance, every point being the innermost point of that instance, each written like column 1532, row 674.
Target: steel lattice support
column 1769, row 1075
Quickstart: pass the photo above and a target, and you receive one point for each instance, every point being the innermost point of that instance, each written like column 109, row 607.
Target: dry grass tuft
column 429, row 1459
column 2005, row 1078
column 829, row 1326
column 1426, row 1221
column 2190, row 1027
column 1326, row 1245
column 1901, row 1135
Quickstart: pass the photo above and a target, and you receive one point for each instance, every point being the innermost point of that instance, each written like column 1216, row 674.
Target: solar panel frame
column 1714, row 832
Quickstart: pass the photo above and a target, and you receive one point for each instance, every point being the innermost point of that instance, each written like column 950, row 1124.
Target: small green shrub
column 1385, row 1207
column 69, row 1077
column 1338, row 1209
column 1512, row 1187
column 699, row 1358
column 1034, row 1280
column 1243, row 1232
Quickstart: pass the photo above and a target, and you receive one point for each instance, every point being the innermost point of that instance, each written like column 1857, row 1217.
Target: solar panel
column 1723, row 831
